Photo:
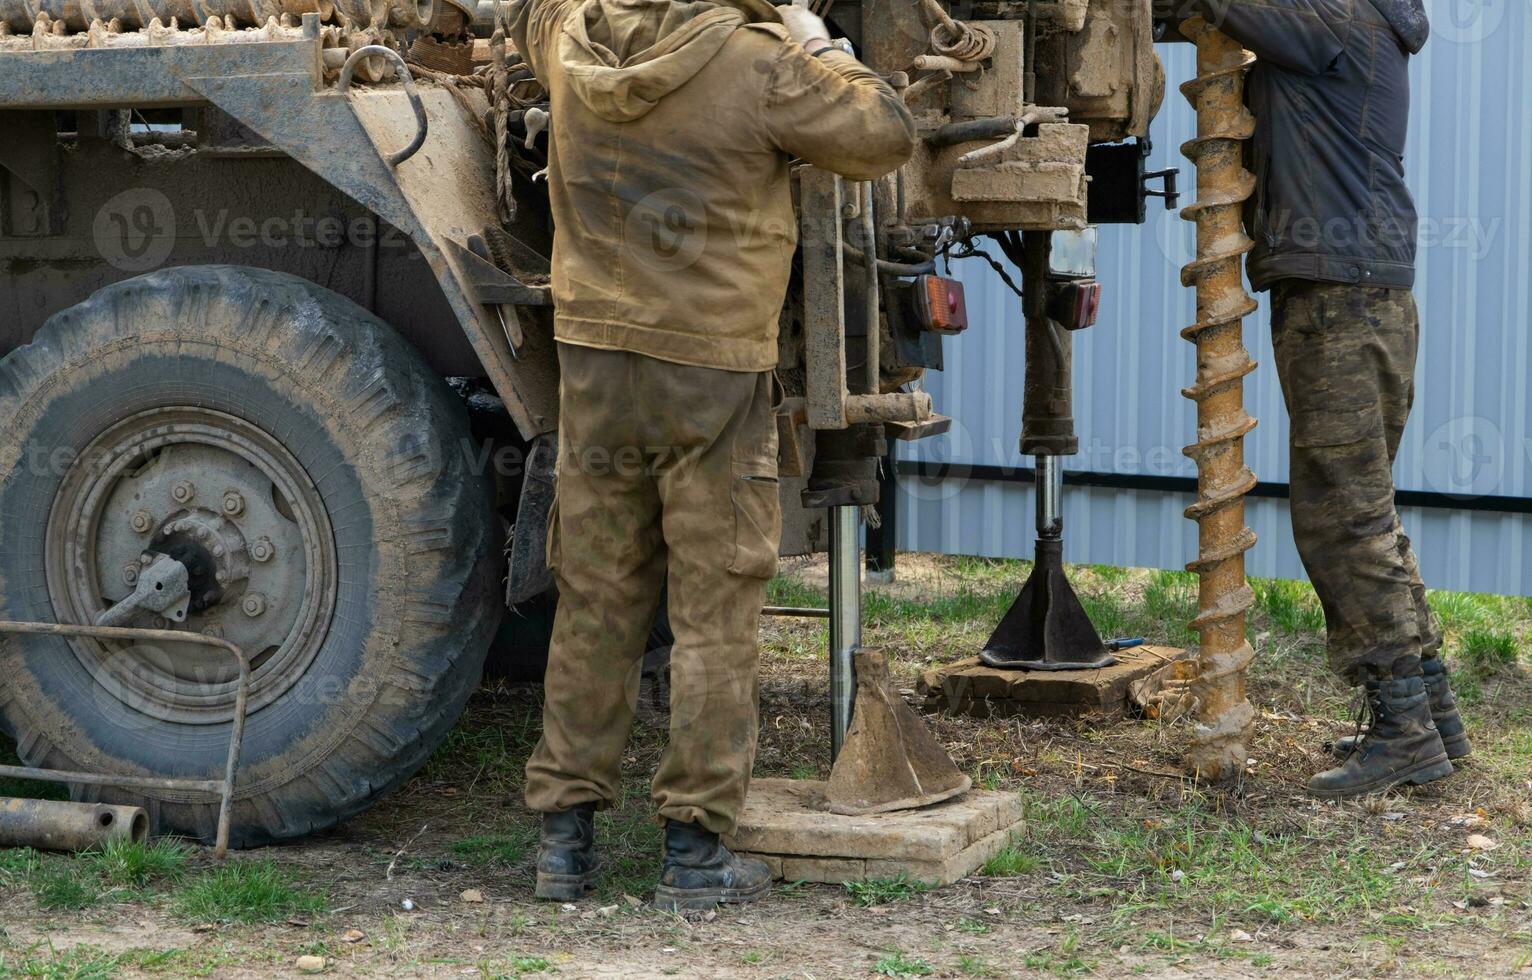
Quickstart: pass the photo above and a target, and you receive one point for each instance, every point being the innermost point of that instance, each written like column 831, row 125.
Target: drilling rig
column 267, row 267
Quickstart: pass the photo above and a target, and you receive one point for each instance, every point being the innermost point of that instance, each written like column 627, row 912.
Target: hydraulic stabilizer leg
column 1046, row 628
column 845, row 618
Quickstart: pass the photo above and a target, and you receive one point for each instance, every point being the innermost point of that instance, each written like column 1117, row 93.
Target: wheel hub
column 213, row 550
column 229, row 502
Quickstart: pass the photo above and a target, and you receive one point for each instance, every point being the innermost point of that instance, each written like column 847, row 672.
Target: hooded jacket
column 1331, row 97
column 672, row 126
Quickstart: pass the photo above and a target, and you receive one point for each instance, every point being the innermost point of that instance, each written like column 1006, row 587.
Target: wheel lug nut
column 262, row 550
column 130, row 573
column 218, row 551
column 254, row 604
column 183, row 491
column 233, row 503
column 143, row 522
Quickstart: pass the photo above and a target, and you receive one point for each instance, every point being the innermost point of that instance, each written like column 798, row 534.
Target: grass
column 515, row 967
column 1011, row 862
column 246, row 892
column 75, row 963
column 1290, row 607
column 900, row 964
column 1107, row 858
column 1487, row 651
column 882, row 891
column 131, row 865
column 496, row 850
column 119, row 871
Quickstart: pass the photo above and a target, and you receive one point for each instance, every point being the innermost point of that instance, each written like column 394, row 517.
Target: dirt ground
column 1119, row 868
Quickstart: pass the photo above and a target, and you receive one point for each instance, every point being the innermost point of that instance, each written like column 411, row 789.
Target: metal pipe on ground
column 53, row 825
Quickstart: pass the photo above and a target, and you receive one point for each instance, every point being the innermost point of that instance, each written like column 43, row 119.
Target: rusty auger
column 1223, row 715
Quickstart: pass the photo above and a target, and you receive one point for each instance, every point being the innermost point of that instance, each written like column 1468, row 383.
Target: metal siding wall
column 1469, row 163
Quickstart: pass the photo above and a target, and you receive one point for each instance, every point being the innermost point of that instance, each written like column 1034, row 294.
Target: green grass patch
column 882, row 891
column 496, row 850
column 785, row 591
column 1170, row 601
column 1457, row 610
column 1011, row 862
column 59, row 886
column 48, row 963
column 1488, row 651
column 515, row 967
column 900, row 964
column 132, row 865
column 1291, row 607
column 245, row 892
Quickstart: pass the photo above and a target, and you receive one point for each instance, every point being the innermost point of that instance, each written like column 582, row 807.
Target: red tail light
column 1075, row 304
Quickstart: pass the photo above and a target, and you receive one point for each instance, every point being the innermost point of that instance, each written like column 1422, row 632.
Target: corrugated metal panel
column 1469, row 162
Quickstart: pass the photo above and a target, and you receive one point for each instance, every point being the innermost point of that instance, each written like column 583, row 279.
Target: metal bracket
column 223, row 788
column 164, row 586
column 422, row 124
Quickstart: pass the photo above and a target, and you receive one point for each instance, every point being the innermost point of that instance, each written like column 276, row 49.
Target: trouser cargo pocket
column 757, row 524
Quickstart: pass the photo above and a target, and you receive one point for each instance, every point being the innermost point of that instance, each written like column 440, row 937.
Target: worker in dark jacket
column 674, row 122
column 1334, row 229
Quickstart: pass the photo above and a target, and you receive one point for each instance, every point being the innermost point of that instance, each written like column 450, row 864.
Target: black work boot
column 699, row 872
column 1444, row 712
column 1401, row 745
column 567, row 863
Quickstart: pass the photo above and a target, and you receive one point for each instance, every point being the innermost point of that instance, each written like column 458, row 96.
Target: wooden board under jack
column 785, row 825
column 970, row 688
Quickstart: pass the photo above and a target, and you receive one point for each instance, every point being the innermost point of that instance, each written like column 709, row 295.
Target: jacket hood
column 1408, row 19
column 622, row 57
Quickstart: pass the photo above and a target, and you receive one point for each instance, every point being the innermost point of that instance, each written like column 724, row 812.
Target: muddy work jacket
column 1331, row 97
column 672, row 128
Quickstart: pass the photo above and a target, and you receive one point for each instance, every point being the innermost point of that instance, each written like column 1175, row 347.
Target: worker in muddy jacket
column 673, row 126
column 1334, row 230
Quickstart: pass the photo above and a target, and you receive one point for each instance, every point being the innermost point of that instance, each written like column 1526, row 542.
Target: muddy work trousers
column 1346, row 359
column 667, row 474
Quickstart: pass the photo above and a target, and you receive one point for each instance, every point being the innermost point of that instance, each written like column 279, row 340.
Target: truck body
column 274, row 303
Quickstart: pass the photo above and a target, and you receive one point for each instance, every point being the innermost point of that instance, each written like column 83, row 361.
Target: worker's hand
column 803, row 25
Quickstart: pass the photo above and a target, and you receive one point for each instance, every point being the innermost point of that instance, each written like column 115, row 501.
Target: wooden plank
column 970, row 688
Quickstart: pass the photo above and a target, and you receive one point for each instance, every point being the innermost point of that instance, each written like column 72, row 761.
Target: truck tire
column 309, row 469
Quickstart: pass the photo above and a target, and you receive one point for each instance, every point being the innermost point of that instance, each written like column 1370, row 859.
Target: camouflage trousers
column 1346, row 359
column 667, row 475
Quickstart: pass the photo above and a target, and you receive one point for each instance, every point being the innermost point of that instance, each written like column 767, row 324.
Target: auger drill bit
column 1222, row 715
